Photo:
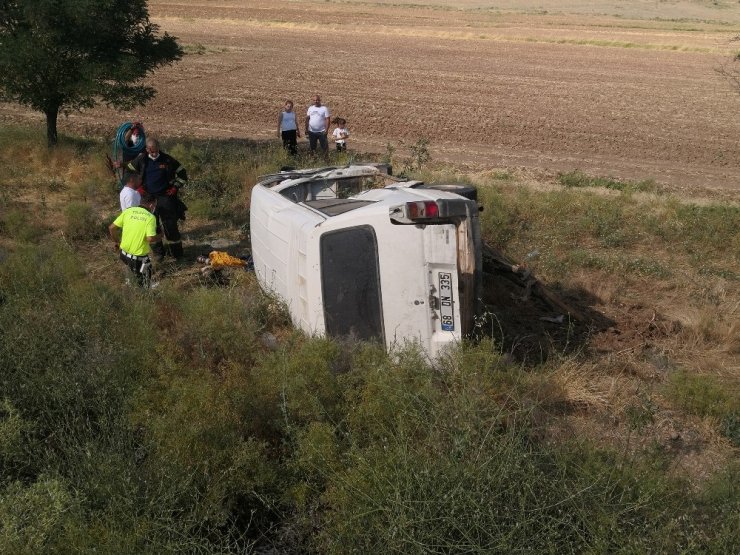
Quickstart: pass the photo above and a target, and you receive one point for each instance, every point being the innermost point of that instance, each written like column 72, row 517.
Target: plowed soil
column 633, row 95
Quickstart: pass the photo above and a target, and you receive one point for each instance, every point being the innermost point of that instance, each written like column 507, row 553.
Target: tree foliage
column 730, row 66
column 64, row 55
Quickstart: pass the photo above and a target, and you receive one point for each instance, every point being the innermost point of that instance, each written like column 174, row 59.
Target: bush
column 579, row 179
column 21, row 226
column 433, row 463
column 215, row 326
column 707, row 231
column 81, row 223
column 701, row 395
column 35, row 518
column 292, row 388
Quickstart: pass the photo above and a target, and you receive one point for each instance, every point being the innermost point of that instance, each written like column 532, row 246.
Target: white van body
column 353, row 252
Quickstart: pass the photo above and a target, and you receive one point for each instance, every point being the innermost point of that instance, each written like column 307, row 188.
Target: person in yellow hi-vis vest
column 138, row 230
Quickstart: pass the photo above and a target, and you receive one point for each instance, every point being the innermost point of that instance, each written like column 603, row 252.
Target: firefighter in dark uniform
column 162, row 176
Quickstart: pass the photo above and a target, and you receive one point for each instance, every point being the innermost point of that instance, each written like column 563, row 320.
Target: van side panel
column 278, row 229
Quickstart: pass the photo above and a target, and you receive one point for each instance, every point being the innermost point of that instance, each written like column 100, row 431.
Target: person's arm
column 136, row 164
column 179, row 175
column 114, row 233
column 328, row 120
column 280, row 123
column 151, row 232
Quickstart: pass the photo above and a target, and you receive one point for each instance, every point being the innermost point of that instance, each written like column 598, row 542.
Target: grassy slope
column 194, row 418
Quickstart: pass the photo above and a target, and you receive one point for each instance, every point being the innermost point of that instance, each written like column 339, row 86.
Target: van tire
column 466, row 191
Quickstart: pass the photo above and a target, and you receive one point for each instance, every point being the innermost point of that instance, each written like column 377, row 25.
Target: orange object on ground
column 220, row 259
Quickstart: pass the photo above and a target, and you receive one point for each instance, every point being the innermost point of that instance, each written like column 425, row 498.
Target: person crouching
column 138, row 231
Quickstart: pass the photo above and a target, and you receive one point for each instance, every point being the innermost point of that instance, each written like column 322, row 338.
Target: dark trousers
column 341, row 147
column 169, row 211
column 313, row 138
column 141, row 268
column 290, row 141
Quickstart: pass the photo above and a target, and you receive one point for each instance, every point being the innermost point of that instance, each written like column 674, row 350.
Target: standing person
column 138, row 231
column 162, row 176
column 288, row 128
column 132, row 142
column 340, row 134
column 317, row 125
column 129, row 195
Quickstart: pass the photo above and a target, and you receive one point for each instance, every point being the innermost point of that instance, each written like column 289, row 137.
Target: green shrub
column 71, row 351
column 13, row 431
column 718, row 506
column 707, row 231
column 292, row 388
column 443, row 463
column 81, row 223
column 730, row 427
column 502, row 220
column 19, row 225
column 216, row 326
column 35, row 518
column 317, row 455
column 221, row 173
column 701, row 395
column 579, row 179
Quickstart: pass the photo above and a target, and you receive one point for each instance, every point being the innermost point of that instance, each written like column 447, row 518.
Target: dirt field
column 544, row 85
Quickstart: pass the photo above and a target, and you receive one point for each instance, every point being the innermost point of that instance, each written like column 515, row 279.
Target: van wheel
column 467, row 191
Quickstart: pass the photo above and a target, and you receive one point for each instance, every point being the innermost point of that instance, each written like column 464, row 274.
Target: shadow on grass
column 530, row 328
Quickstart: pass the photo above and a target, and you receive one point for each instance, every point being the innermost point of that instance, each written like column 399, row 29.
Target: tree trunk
column 51, row 126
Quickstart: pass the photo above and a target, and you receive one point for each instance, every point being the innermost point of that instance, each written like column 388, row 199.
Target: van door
column 350, row 283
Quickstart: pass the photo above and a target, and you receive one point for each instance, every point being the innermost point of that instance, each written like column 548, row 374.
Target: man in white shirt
column 129, row 195
column 317, row 125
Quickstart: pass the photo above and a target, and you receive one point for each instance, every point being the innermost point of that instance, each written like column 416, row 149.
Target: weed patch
column 81, row 222
column 17, row 224
column 701, row 395
column 578, row 179
column 700, row 230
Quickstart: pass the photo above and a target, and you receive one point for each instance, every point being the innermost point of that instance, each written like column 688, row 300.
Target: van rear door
column 350, row 283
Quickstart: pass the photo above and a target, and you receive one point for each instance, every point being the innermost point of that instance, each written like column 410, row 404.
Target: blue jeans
column 321, row 138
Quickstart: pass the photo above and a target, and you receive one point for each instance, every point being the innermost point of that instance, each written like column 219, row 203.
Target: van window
column 350, row 283
column 337, row 206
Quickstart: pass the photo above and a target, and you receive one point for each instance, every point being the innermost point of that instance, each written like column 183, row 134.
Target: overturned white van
column 355, row 252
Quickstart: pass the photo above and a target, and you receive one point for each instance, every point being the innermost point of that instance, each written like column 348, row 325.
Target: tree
column 730, row 67
column 63, row 55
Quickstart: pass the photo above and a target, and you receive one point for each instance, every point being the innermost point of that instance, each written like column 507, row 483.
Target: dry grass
column 584, row 386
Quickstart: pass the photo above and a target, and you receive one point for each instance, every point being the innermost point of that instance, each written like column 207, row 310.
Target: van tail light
column 440, row 211
column 422, row 210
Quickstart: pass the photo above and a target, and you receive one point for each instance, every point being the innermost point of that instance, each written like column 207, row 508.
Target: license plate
column 446, row 302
